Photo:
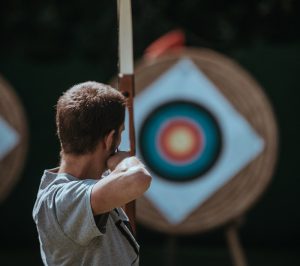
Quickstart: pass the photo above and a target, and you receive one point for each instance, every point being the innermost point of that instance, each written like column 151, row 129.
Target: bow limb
column 126, row 80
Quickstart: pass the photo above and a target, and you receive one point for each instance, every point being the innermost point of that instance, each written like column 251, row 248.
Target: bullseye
column 180, row 141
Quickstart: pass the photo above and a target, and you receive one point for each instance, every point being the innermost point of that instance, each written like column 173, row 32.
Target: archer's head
column 87, row 114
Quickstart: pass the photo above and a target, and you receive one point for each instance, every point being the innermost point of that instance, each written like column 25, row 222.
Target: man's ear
column 108, row 140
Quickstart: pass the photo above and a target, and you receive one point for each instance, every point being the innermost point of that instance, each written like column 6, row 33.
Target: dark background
column 47, row 46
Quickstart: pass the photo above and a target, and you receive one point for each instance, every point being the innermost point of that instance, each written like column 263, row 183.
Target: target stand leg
column 234, row 244
column 171, row 249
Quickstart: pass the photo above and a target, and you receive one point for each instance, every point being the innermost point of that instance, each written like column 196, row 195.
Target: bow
column 126, row 80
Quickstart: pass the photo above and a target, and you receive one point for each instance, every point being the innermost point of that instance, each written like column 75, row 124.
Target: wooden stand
column 235, row 247
column 171, row 250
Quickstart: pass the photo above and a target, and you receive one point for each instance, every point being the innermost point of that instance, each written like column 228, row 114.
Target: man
column 77, row 211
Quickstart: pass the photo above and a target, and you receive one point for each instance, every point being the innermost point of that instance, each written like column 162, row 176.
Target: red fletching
column 171, row 41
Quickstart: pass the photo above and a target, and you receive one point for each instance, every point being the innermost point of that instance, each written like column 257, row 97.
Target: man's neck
column 88, row 166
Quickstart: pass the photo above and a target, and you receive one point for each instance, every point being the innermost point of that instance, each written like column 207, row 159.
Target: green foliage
column 54, row 30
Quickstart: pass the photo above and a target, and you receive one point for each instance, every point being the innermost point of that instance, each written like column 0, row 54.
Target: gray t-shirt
column 70, row 234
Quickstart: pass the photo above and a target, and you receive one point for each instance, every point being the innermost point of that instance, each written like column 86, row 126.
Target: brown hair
column 85, row 114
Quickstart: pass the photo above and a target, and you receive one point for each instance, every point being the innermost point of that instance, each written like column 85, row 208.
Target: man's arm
column 128, row 180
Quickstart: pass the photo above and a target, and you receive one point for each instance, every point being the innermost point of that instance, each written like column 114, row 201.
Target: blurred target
column 13, row 138
column 207, row 134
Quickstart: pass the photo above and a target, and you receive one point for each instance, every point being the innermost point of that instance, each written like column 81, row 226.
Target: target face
column 180, row 141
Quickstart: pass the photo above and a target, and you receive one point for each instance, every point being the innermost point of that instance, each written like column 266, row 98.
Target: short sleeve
column 74, row 212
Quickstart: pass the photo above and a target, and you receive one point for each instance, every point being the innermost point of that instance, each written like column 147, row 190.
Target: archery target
column 13, row 138
column 191, row 139
column 180, row 141
column 171, row 120
column 198, row 108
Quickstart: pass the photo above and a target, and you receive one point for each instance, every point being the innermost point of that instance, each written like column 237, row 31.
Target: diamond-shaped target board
column 206, row 132
column 13, row 138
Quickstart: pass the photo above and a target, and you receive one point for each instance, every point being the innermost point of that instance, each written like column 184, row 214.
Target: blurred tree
column 53, row 30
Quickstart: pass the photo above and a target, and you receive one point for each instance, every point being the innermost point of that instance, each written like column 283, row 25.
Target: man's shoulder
column 48, row 180
column 51, row 183
column 62, row 182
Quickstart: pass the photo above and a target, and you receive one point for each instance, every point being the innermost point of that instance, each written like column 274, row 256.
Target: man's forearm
column 127, row 182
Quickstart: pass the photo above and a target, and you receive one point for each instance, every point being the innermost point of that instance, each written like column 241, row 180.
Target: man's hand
column 115, row 159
